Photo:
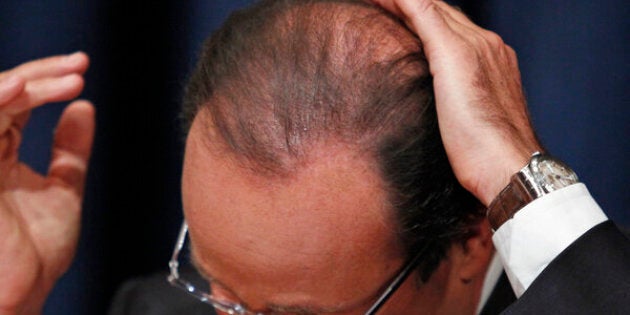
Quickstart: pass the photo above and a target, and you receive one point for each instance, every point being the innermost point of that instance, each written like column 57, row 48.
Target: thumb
column 72, row 145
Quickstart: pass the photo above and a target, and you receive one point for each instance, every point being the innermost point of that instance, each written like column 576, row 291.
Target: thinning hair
column 284, row 75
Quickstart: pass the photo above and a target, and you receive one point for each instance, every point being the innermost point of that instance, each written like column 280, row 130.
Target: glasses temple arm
column 397, row 282
column 173, row 264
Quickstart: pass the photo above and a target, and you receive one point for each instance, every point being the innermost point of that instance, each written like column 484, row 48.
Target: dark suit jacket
column 155, row 296
column 592, row 276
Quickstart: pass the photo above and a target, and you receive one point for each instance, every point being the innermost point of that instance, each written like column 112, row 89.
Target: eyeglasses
column 235, row 308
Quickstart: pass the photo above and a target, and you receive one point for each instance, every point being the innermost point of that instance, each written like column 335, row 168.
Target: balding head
column 285, row 74
column 285, row 78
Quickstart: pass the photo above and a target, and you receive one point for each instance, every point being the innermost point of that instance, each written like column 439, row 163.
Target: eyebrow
column 297, row 308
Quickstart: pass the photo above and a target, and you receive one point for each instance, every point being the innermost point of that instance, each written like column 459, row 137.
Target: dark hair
column 284, row 74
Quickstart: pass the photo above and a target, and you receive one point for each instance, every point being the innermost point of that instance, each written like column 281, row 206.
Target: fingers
column 454, row 13
column 10, row 87
column 55, row 66
column 390, row 6
column 38, row 92
column 72, row 145
column 39, row 82
column 34, row 83
column 423, row 16
column 435, row 22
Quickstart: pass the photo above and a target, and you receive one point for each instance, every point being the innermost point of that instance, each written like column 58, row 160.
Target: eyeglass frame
column 233, row 308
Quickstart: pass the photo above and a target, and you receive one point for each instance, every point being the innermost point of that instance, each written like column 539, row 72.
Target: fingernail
column 74, row 56
column 70, row 80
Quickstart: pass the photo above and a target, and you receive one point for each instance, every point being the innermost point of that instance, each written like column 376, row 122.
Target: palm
column 47, row 213
column 40, row 214
column 43, row 232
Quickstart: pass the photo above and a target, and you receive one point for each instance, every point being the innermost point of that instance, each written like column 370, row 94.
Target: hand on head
column 481, row 108
column 40, row 214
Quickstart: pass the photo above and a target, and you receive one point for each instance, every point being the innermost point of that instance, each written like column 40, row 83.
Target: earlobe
column 476, row 253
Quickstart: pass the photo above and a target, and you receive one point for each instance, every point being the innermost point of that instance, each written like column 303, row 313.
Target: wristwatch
column 542, row 175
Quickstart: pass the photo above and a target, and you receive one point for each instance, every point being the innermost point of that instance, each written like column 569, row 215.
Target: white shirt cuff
column 540, row 231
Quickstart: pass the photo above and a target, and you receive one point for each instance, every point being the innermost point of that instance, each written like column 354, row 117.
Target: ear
column 476, row 253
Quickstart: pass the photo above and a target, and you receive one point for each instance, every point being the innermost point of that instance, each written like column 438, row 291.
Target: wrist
column 484, row 167
column 497, row 175
column 541, row 176
column 24, row 288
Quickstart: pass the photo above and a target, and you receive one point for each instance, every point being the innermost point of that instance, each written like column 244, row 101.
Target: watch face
column 552, row 174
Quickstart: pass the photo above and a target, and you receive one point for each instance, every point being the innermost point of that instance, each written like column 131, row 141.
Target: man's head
column 314, row 166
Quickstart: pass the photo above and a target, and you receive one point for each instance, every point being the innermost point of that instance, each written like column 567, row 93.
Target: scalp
column 284, row 75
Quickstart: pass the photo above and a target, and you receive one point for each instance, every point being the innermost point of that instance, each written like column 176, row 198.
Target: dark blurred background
column 573, row 57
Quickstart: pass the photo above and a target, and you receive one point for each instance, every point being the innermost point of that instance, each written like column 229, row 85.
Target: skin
column 321, row 239
column 40, row 214
column 484, row 125
column 481, row 108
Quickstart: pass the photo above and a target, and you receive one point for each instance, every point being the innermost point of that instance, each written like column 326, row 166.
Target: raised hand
column 481, row 109
column 40, row 214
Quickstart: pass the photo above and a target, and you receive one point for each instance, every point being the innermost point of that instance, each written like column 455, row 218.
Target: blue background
column 573, row 57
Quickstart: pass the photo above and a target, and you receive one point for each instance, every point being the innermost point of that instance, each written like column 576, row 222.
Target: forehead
column 328, row 222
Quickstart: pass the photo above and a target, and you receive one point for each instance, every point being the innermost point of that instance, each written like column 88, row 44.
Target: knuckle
column 10, row 140
column 510, row 51
column 5, row 123
column 493, row 39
